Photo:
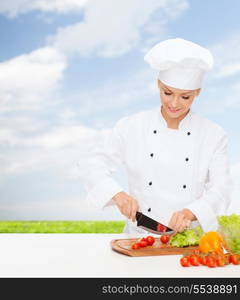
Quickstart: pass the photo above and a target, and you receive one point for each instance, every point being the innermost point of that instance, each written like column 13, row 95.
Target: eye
column 168, row 94
column 185, row 97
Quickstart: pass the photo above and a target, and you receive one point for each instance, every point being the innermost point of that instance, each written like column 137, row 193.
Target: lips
column 174, row 110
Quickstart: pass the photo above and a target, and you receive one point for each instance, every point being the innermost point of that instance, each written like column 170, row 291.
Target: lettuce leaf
column 229, row 228
column 188, row 237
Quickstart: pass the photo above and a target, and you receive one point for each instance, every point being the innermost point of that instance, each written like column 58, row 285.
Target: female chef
column 176, row 160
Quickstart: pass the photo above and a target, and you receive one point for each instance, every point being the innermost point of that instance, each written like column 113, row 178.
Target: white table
column 88, row 255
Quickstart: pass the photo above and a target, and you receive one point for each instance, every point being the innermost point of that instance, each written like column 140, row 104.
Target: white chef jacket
column 168, row 169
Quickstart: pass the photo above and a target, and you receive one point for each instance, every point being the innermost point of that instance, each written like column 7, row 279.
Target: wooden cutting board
column 124, row 246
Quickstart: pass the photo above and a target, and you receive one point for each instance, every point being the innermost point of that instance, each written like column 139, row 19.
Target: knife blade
column 151, row 225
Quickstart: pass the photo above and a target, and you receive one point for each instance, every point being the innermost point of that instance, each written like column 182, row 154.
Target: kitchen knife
column 151, row 225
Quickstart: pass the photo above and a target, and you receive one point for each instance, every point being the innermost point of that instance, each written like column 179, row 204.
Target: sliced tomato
column 161, row 228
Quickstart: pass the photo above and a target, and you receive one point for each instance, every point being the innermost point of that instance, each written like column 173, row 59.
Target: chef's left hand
column 181, row 220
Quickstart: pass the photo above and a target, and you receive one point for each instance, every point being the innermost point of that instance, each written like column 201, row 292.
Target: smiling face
column 176, row 102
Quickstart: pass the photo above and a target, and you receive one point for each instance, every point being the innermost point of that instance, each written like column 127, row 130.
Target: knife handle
column 138, row 215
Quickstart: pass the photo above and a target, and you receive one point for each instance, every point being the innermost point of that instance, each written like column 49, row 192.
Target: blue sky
column 70, row 69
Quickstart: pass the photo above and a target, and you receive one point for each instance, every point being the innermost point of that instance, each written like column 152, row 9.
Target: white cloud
column 30, row 145
column 232, row 100
column 26, row 122
column 117, row 98
column 59, row 137
column 112, row 28
column 7, row 136
column 62, row 137
column 13, row 8
column 218, row 98
column 223, row 88
column 66, row 115
column 227, row 57
column 29, row 79
column 59, row 148
column 229, row 69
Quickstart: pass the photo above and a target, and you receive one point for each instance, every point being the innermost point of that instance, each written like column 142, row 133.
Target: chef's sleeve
column 97, row 168
column 216, row 197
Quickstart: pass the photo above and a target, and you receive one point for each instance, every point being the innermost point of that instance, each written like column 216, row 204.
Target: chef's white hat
column 181, row 63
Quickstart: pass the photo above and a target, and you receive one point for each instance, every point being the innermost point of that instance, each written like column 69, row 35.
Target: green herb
column 188, row 237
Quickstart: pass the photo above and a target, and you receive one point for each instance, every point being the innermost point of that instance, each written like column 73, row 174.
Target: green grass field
column 61, row 226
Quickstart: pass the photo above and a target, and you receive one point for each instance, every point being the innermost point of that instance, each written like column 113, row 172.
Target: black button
column 187, row 159
column 149, row 209
column 154, row 131
column 150, row 183
column 188, row 133
column 184, row 186
column 151, row 154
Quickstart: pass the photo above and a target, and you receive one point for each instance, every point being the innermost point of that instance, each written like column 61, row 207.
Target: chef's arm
column 97, row 167
column 216, row 198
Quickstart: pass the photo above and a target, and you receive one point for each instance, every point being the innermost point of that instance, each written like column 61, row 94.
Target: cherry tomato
column 235, row 259
column 164, row 239
column 202, row 260
column 143, row 243
column 227, row 257
column 161, row 228
column 136, row 246
column 184, row 261
column 211, row 262
column 194, row 260
column 220, row 261
column 143, row 239
column 150, row 240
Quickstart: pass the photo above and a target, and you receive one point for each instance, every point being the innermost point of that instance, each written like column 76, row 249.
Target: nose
column 174, row 102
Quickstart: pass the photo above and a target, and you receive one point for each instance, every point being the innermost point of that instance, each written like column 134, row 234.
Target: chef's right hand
column 127, row 205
